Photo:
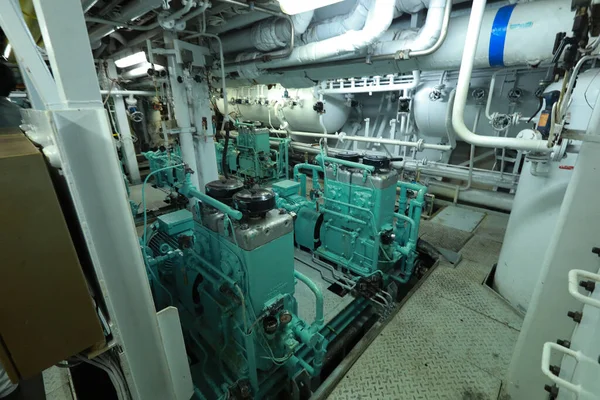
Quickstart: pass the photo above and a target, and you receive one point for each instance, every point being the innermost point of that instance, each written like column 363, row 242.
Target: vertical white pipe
column 131, row 164
column 462, row 90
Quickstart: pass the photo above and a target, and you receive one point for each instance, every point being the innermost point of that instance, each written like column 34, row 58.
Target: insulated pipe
column 267, row 35
column 430, row 37
column 319, row 319
column 336, row 26
column 378, row 21
column 462, row 91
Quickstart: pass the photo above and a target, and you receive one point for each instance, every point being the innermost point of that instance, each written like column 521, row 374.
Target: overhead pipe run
column 462, row 91
column 132, row 11
column 270, row 34
column 378, row 21
column 428, row 39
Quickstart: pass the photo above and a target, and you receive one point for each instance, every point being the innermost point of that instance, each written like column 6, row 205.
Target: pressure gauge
column 285, row 317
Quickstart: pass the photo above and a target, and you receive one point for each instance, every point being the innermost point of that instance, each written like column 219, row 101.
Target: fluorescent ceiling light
column 141, row 70
column 299, row 6
column 7, row 51
column 130, row 60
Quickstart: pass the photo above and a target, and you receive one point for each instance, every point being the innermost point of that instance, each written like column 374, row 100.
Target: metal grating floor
column 453, row 339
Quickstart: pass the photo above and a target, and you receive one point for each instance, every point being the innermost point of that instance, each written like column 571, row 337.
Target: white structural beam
column 88, row 158
column 577, row 232
column 182, row 110
column 24, row 48
column 131, row 164
column 69, row 52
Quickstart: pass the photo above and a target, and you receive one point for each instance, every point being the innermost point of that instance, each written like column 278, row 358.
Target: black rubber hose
column 538, row 109
column 225, row 149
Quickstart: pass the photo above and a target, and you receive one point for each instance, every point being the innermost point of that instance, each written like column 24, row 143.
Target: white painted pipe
column 486, row 198
column 266, row 35
column 420, row 144
column 145, row 93
column 462, row 91
column 378, row 21
column 410, row 41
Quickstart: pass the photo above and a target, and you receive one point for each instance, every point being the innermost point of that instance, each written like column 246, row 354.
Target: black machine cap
column 379, row 162
column 254, row 202
column 347, row 156
column 223, row 189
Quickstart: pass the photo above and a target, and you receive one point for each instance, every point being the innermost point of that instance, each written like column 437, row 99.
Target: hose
column 225, row 149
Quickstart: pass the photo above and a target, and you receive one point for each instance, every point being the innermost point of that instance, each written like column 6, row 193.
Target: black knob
column 596, row 251
column 553, row 390
column 319, row 107
column 564, row 343
column 575, row 315
column 588, row 285
column 555, row 369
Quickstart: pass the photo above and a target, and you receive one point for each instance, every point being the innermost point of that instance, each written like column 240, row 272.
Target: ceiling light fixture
column 293, row 7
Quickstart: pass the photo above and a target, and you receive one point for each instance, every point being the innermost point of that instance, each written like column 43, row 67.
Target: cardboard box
column 46, row 312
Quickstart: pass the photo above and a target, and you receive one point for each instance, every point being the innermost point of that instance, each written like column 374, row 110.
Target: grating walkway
column 453, row 339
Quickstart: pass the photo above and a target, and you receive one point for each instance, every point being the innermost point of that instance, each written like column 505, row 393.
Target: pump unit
column 233, row 282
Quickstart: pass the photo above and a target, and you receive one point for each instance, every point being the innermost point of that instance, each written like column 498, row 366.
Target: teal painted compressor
column 250, row 156
column 160, row 160
column 351, row 220
column 229, row 269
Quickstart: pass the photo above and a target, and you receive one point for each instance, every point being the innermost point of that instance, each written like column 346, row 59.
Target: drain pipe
column 462, row 90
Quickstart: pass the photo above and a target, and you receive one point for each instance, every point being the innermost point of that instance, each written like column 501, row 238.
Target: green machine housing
column 249, row 155
column 351, row 221
column 232, row 277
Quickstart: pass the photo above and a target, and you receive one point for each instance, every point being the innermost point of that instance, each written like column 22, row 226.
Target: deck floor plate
column 453, row 339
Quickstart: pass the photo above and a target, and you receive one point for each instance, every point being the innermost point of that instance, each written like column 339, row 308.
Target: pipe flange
column 420, row 145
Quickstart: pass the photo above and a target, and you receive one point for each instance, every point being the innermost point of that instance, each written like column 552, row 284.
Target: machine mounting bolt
column 564, row 343
column 553, row 390
column 575, row 315
column 555, row 369
column 588, row 285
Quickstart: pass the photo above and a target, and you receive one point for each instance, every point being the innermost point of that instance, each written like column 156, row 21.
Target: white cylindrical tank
column 274, row 106
column 537, row 204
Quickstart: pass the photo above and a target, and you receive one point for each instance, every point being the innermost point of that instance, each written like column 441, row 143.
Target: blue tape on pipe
column 498, row 35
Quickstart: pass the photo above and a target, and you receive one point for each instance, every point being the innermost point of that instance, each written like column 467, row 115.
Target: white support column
column 206, row 155
column 182, row 112
column 577, row 232
column 131, row 164
column 88, row 158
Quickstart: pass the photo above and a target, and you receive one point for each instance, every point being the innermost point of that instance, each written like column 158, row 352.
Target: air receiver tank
column 274, row 106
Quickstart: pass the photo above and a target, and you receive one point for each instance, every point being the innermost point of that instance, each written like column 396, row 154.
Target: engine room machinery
column 351, row 221
column 297, row 145
column 249, row 155
column 230, row 272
